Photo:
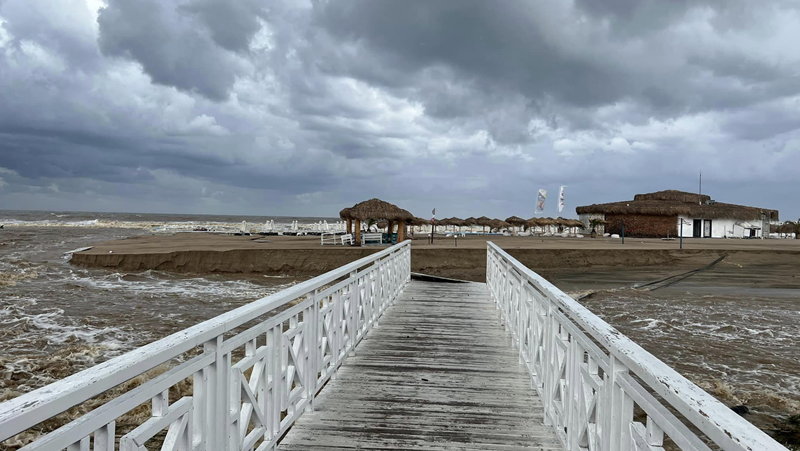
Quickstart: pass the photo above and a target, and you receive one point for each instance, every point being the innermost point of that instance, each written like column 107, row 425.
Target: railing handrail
column 29, row 409
column 713, row 418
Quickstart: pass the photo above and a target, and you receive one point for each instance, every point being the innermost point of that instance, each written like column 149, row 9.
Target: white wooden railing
column 591, row 377
column 248, row 386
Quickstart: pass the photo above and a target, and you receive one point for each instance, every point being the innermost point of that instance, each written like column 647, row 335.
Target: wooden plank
column 438, row 373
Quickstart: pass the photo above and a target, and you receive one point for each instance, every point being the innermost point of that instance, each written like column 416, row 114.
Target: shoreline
column 304, row 256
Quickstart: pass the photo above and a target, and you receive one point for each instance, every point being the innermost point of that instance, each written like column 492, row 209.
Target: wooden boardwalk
column 439, row 373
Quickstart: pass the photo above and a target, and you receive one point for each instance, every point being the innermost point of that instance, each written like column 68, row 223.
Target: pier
column 362, row 357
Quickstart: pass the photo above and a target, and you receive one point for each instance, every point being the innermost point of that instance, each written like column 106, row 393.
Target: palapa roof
column 345, row 213
column 417, row 221
column 515, row 220
column 499, row 224
column 533, row 222
column 675, row 203
column 377, row 209
column 484, row 221
column 471, row 221
column 576, row 223
column 563, row 221
column 457, row 221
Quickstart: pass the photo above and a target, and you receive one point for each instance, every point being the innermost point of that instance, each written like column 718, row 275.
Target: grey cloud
column 63, row 26
column 171, row 47
column 232, row 24
column 469, row 105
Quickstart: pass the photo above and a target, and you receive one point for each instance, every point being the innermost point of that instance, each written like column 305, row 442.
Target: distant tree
column 595, row 222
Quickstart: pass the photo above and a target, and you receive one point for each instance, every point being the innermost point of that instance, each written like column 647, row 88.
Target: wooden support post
column 389, row 229
column 357, row 238
column 401, row 231
column 349, row 225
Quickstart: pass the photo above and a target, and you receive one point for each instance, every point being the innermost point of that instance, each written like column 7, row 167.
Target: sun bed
column 371, row 237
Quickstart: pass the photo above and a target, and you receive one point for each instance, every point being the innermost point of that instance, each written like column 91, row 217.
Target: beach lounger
column 347, row 239
column 371, row 237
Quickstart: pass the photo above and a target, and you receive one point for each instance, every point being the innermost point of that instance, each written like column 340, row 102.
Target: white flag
column 561, row 198
column 540, row 201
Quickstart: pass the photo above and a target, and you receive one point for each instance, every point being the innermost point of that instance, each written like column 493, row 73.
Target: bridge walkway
column 438, row 373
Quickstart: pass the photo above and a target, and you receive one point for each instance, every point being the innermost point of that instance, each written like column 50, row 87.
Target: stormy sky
column 290, row 107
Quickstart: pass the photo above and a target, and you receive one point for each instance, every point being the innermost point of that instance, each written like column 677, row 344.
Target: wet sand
column 301, row 256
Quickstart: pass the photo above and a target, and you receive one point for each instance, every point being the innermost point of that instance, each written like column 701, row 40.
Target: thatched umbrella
column 577, row 223
column 532, row 224
column 417, row 221
column 345, row 215
column 441, row 222
column 546, row 222
column 457, row 222
column 377, row 209
column 471, row 221
column 499, row 224
column 484, row 222
column 515, row 221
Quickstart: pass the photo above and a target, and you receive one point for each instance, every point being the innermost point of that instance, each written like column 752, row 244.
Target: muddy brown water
column 57, row 319
column 733, row 330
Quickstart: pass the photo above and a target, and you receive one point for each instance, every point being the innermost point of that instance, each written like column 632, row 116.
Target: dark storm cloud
column 218, row 106
column 174, row 48
column 495, row 45
column 232, row 24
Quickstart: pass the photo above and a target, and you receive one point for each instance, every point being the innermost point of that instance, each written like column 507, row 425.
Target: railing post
column 217, row 408
column 616, row 433
column 275, row 343
column 355, row 305
column 312, row 347
column 547, row 363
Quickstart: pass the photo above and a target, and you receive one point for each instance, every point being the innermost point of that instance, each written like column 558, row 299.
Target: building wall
column 642, row 226
column 720, row 228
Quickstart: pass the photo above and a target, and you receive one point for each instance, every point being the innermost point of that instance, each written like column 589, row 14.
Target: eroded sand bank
column 283, row 255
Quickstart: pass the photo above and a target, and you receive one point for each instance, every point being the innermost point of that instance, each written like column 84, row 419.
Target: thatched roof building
column 678, row 203
column 671, row 212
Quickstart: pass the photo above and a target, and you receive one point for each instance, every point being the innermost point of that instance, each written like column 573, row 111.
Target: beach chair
column 347, row 239
column 371, row 237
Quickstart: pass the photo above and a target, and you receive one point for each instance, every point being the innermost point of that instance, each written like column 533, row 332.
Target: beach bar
column 676, row 213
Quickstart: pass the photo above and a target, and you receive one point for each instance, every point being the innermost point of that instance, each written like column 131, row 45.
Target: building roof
column 675, row 203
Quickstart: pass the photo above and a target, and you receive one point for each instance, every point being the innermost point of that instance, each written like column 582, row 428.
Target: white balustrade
column 248, row 386
column 591, row 378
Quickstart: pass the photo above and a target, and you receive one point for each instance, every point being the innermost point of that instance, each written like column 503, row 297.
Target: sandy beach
column 298, row 256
